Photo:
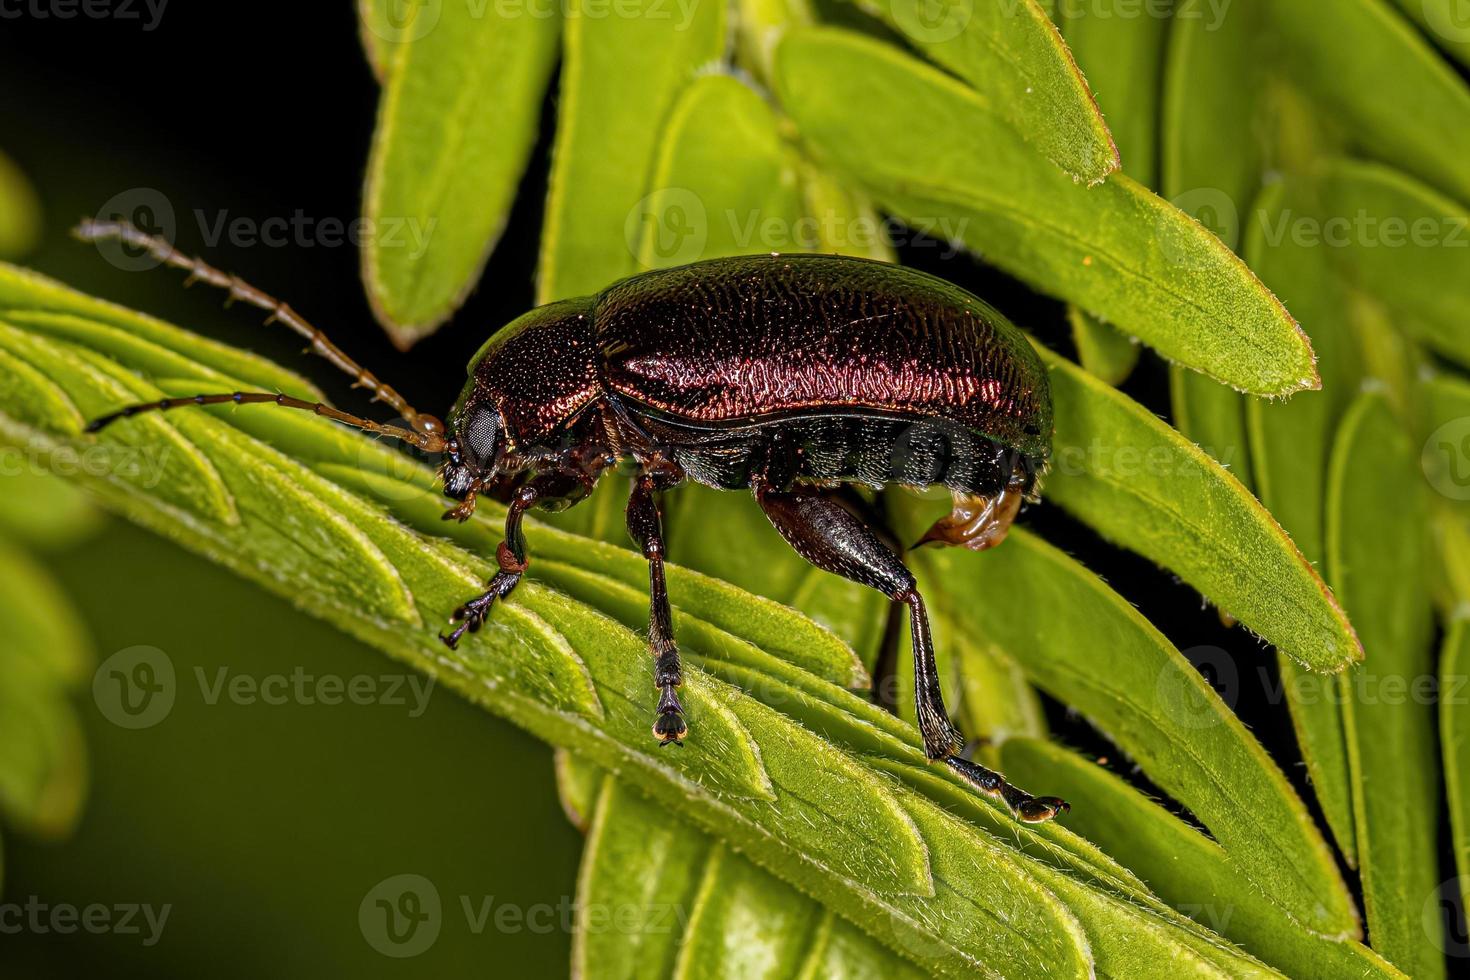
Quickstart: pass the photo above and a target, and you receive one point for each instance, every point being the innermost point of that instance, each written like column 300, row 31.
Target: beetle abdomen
column 857, row 446
column 734, row 341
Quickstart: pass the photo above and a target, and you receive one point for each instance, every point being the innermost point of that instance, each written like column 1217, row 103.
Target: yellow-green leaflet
column 1376, row 558
column 456, row 122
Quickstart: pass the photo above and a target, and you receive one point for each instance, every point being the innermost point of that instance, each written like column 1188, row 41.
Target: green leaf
column 1142, row 485
column 745, row 924
column 1014, row 59
column 456, row 124
column 578, row 783
column 1115, row 250
column 1444, row 23
column 641, row 872
column 20, row 211
column 1190, row 871
column 1101, row 349
column 1454, row 737
column 1119, row 46
column 1443, row 459
column 1399, row 241
column 43, row 652
column 723, row 183
column 1088, row 647
column 1290, row 445
column 845, row 220
column 1404, row 104
column 620, row 78
column 38, row 509
column 1376, row 536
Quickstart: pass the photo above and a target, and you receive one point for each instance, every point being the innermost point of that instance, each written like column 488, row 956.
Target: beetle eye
column 481, row 436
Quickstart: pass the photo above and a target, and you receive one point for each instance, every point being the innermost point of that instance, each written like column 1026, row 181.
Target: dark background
column 264, row 827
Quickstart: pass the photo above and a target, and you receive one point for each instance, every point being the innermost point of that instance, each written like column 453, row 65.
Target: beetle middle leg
column 832, row 538
column 645, row 527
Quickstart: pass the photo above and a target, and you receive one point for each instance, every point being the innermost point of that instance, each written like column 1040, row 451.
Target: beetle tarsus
column 472, row 615
column 1027, row 808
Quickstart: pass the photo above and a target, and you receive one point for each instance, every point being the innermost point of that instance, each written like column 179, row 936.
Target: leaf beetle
column 785, row 375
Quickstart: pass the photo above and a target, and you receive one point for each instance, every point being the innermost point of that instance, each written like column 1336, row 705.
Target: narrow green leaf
column 1016, row 62
column 1085, row 645
column 1142, row 485
column 1405, row 104
column 25, row 296
column 1119, row 45
column 1213, row 417
column 1454, row 737
column 745, row 924
column 1227, row 119
column 1376, row 536
column 456, row 124
column 844, row 952
column 1290, row 446
column 20, row 211
column 43, row 652
column 1399, row 241
column 1101, row 349
column 723, row 183
column 1444, row 23
column 39, row 509
column 636, row 891
column 1190, row 871
column 845, row 220
column 1445, row 461
column 620, row 78
column 1116, row 250
column 578, row 783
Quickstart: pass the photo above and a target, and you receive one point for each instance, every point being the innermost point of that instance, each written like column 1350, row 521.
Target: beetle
column 789, row 376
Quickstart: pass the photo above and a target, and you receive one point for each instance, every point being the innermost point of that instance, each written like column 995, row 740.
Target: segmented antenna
column 427, row 431
column 428, row 442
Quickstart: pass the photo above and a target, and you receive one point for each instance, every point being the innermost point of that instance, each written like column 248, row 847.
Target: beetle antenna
column 91, row 230
column 429, row 442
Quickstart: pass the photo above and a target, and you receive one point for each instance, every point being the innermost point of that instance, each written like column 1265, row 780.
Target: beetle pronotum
column 785, row 375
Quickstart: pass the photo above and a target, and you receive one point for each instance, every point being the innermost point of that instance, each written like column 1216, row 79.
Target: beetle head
column 475, row 450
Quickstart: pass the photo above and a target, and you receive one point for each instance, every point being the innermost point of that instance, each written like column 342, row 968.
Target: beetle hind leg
column 834, row 539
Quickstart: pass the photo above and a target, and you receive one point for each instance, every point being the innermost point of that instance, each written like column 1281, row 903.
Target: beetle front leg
column 645, row 527
column 832, row 538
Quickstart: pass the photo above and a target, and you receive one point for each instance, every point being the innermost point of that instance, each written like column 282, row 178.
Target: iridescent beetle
column 784, row 375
